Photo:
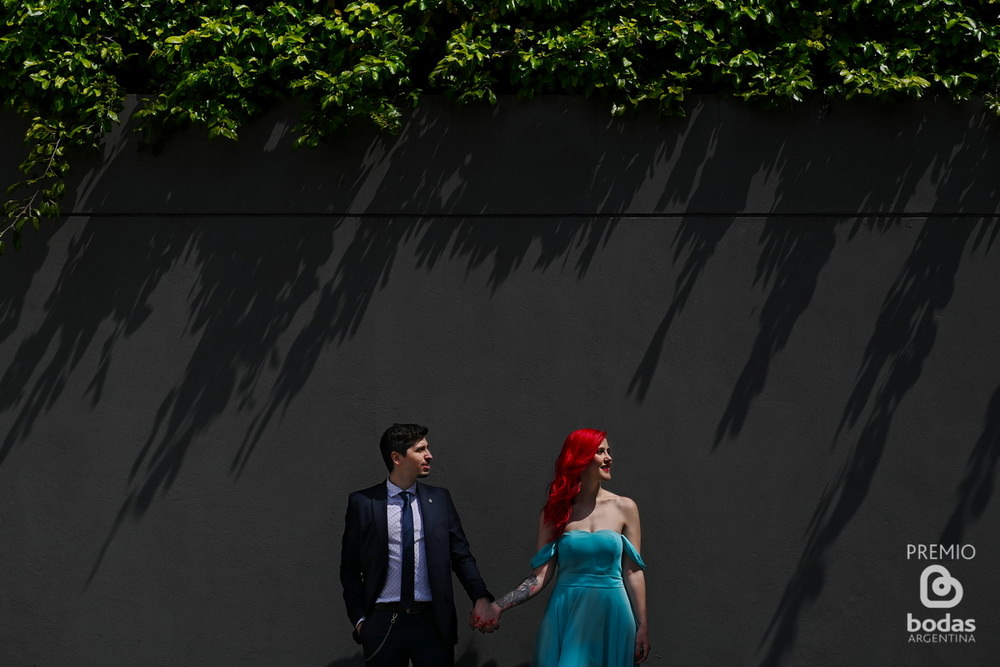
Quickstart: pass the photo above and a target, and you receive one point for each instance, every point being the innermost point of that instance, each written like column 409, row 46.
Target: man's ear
column 396, row 458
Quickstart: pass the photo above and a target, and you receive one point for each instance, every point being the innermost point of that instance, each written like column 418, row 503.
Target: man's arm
column 463, row 563
column 483, row 616
column 351, row 566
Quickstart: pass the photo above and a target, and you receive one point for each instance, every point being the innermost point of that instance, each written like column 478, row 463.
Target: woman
column 596, row 616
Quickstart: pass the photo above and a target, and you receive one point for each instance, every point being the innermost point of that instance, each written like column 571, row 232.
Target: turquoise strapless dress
column 588, row 621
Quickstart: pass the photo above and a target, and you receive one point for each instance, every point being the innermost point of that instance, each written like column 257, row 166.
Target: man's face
column 416, row 461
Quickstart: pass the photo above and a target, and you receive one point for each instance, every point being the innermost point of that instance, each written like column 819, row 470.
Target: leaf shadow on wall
column 889, row 178
column 718, row 174
column 975, row 491
column 696, row 240
column 366, row 264
column 723, row 175
column 18, row 270
column 258, row 279
column 811, row 202
column 792, row 257
column 903, row 338
column 486, row 196
column 976, row 488
column 97, row 282
column 243, row 302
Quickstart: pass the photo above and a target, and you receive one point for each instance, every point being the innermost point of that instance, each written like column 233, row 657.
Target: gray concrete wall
column 786, row 321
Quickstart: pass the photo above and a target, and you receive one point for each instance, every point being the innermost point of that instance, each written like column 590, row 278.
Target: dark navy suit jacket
column 364, row 556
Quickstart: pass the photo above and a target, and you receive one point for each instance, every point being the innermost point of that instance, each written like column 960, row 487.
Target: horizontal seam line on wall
column 619, row 216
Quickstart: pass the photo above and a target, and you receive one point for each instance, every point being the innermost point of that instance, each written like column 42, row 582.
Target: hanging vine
column 68, row 65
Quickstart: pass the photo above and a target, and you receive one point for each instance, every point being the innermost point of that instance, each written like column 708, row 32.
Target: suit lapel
column 430, row 513
column 427, row 509
column 379, row 503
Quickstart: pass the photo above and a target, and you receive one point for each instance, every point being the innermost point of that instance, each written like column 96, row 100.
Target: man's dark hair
column 398, row 438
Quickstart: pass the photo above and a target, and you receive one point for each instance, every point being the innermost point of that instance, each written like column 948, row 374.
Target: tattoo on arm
column 519, row 594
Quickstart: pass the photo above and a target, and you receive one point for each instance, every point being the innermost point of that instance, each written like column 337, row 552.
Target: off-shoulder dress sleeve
column 631, row 552
column 544, row 555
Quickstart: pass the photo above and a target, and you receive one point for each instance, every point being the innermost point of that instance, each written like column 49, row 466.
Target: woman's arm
column 538, row 580
column 527, row 589
column 635, row 583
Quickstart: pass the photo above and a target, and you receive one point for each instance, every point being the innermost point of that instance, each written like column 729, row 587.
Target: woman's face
column 601, row 465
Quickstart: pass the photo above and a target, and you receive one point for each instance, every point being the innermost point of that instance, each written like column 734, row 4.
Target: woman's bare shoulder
column 629, row 509
column 623, row 503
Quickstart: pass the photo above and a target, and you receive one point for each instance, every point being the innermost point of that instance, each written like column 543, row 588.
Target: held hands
column 485, row 616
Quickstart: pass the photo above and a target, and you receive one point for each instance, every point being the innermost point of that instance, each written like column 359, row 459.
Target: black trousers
column 410, row 639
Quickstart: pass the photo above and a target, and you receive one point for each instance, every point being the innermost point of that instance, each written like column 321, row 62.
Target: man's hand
column 357, row 630
column 485, row 616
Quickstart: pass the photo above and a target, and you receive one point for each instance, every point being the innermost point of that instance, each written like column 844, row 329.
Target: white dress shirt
column 394, row 511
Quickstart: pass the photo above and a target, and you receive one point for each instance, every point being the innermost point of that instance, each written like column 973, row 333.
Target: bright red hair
column 577, row 453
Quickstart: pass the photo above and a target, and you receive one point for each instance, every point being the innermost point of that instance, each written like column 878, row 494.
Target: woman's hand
column 485, row 616
column 642, row 646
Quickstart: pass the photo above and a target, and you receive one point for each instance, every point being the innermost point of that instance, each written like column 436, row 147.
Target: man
column 402, row 540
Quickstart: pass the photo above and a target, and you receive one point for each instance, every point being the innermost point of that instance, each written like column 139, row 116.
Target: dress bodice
column 589, row 558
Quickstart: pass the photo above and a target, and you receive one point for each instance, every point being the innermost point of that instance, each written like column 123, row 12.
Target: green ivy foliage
column 68, row 65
